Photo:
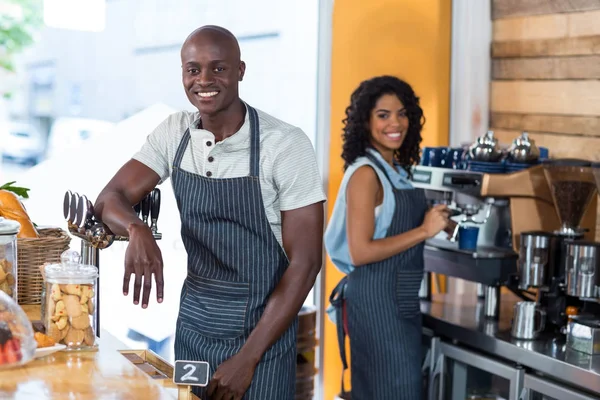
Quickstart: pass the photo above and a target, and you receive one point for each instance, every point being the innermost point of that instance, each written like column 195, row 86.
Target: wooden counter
column 102, row 374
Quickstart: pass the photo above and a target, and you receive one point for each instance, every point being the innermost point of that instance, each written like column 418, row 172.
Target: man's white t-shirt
column 289, row 175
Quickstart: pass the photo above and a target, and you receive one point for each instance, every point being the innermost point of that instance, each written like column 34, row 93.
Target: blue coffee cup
column 437, row 156
column 467, row 237
column 425, row 156
column 454, row 158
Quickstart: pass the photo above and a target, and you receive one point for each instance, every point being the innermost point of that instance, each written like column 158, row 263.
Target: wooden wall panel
column 566, row 125
column 577, row 67
column 584, row 24
column 584, row 45
column 546, row 97
column 547, row 26
column 518, row 8
column 545, row 75
column 541, row 27
column 561, row 146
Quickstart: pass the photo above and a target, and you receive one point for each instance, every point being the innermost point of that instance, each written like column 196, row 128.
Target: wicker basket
column 31, row 253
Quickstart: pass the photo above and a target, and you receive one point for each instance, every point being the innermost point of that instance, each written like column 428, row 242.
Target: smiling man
column 251, row 204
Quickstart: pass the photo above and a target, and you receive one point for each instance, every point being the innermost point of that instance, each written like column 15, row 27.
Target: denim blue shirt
column 335, row 238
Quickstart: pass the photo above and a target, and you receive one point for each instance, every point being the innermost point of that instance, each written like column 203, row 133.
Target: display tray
column 159, row 370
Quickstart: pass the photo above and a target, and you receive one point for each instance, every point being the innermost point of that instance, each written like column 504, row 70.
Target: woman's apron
column 378, row 306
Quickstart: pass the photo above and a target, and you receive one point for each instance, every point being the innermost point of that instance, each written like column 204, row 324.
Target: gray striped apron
column 234, row 263
column 383, row 312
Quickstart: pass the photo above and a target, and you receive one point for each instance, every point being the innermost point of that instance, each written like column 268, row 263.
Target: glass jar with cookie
column 9, row 230
column 70, row 314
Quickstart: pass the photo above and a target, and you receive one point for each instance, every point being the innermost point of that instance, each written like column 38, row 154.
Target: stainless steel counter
column 460, row 318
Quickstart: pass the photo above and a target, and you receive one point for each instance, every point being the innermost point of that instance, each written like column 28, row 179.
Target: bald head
column 217, row 35
column 212, row 68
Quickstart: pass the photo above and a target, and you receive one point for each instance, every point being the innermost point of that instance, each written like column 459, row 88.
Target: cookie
column 54, row 332
column 74, row 289
column 81, row 322
column 51, row 308
column 60, row 309
column 72, row 305
column 62, row 322
column 74, row 337
column 90, row 306
column 56, row 294
column 89, row 337
column 63, row 332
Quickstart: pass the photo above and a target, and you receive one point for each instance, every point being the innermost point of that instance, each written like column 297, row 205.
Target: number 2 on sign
column 189, row 376
column 192, row 373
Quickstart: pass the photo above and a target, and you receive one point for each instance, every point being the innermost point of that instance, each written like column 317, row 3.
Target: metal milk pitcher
column 523, row 323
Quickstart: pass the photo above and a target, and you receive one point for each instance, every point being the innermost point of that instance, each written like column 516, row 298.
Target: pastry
column 43, row 340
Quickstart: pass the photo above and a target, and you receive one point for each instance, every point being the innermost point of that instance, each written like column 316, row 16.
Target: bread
column 12, row 208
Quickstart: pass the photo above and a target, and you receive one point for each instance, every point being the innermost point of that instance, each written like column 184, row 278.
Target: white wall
column 135, row 61
column 470, row 76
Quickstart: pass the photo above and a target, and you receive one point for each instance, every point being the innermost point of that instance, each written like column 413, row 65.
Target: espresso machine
column 560, row 264
column 493, row 262
column 525, row 219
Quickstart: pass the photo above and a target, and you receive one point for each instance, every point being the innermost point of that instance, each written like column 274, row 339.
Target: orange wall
column 406, row 38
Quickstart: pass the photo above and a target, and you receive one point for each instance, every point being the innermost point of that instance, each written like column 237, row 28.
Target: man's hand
column 143, row 258
column 114, row 207
column 232, row 378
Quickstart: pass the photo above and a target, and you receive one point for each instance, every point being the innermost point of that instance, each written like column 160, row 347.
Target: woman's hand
column 436, row 220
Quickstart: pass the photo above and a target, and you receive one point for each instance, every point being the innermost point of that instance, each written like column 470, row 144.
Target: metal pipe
column 425, row 289
column 91, row 256
column 492, row 302
column 480, row 291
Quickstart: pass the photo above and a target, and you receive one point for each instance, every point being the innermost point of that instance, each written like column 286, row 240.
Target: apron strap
column 254, row 141
column 337, row 301
column 380, row 166
column 181, row 149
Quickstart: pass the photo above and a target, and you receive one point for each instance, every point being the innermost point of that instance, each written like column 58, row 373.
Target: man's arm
column 114, row 207
column 302, row 231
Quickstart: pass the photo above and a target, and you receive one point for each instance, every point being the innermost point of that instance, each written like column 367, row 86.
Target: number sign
column 194, row 373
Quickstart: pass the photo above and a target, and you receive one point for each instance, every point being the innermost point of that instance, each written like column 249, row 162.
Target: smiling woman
column 376, row 236
column 384, row 112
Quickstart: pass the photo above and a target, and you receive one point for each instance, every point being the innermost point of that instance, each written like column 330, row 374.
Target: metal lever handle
column 146, row 208
column 155, row 209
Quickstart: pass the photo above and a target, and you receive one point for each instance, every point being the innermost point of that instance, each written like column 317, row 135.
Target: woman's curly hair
column 356, row 136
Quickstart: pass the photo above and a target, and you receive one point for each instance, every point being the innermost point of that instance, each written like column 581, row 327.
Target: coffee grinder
column 544, row 256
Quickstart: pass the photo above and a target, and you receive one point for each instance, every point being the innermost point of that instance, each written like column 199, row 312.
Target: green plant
column 19, row 19
column 19, row 191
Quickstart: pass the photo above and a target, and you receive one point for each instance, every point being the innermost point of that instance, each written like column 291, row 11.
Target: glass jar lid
column 70, row 269
column 9, row 227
